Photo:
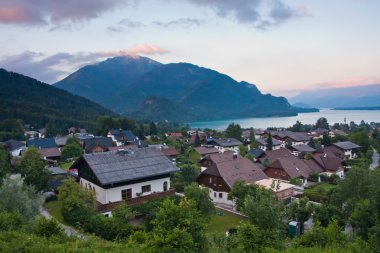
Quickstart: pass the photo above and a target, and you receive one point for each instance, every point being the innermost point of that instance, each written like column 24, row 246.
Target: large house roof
column 264, row 142
column 123, row 135
column 90, row 143
column 346, row 145
column 221, row 157
column 121, row 166
column 226, row 142
column 13, row 145
column 296, row 136
column 41, row 143
column 236, row 169
column 303, row 148
column 49, row 152
column 272, row 155
column 206, row 150
column 293, row 166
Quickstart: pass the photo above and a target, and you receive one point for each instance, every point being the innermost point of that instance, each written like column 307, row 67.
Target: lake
column 333, row 116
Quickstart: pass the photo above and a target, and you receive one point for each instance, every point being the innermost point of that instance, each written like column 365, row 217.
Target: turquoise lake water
column 333, row 116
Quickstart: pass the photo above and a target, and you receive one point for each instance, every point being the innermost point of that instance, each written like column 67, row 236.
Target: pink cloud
column 13, row 15
column 146, row 49
column 348, row 82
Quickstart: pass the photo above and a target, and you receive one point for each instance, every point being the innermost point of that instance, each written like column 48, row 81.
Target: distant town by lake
column 333, row 116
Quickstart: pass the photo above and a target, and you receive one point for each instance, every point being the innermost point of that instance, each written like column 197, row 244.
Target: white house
column 120, row 137
column 350, row 149
column 15, row 147
column 226, row 144
column 263, row 144
column 124, row 175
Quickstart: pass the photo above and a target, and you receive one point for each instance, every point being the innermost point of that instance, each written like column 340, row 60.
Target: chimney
column 235, row 155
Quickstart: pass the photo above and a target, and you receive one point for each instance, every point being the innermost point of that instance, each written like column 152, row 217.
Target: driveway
column 69, row 231
column 375, row 160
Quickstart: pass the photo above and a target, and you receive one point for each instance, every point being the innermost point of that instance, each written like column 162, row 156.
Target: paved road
column 375, row 160
column 68, row 230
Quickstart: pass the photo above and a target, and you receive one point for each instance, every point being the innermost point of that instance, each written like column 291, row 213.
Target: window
column 145, row 188
column 210, row 180
column 165, row 186
column 220, row 195
column 214, row 194
column 126, row 194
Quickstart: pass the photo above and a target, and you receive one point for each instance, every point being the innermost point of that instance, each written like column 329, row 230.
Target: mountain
column 358, row 96
column 37, row 103
column 181, row 91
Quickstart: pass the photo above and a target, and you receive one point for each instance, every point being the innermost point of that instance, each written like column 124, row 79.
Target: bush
column 11, row 221
column 47, row 228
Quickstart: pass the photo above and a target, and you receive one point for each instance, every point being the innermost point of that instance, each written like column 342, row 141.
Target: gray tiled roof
column 303, row 148
column 228, row 142
column 264, row 142
column 345, row 145
column 120, row 166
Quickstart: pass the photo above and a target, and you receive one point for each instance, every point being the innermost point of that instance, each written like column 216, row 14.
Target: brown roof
column 328, row 161
column 314, row 166
column 50, row 152
column 222, row 157
column 206, row 151
column 293, row 166
column 169, row 152
column 232, row 170
column 272, row 155
column 333, row 151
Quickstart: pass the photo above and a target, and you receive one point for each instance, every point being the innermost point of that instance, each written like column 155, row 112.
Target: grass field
column 220, row 223
column 318, row 192
column 54, row 208
column 65, row 166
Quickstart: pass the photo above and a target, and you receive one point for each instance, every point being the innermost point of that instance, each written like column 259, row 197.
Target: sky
column 282, row 46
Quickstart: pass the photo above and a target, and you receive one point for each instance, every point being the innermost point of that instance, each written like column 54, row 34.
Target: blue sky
column 282, row 46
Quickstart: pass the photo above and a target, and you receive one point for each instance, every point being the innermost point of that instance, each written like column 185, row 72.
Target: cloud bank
column 40, row 12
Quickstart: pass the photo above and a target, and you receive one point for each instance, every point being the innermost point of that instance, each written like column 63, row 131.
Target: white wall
column 105, row 196
column 16, row 152
column 214, row 195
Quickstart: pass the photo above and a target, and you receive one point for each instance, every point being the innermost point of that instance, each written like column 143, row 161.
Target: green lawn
column 220, row 223
column 318, row 192
column 65, row 166
column 54, row 208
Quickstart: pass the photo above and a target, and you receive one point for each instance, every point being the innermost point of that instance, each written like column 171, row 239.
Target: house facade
column 350, row 149
column 226, row 144
column 223, row 170
column 119, row 176
column 263, row 144
column 14, row 147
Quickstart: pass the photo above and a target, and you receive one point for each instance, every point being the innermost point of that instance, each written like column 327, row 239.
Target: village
column 121, row 169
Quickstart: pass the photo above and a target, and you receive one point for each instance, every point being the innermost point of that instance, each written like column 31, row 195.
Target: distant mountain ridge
column 181, row 91
column 357, row 96
column 38, row 103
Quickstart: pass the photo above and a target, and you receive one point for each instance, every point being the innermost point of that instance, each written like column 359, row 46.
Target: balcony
column 102, row 208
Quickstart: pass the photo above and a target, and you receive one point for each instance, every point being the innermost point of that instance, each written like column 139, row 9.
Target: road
column 69, row 231
column 375, row 160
